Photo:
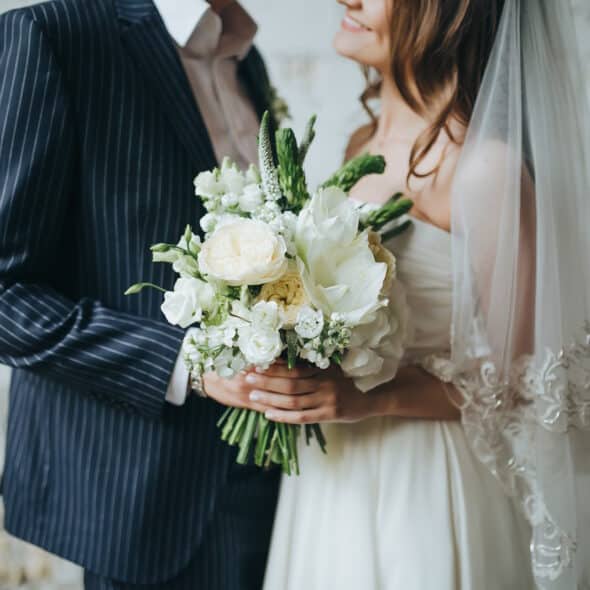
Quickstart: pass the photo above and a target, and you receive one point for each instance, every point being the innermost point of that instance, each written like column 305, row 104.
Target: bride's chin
column 344, row 48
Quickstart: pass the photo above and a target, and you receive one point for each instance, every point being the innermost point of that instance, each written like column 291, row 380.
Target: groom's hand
column 241, row 391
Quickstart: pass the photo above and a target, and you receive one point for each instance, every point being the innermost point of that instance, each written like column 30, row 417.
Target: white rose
column 260, row 347
column 251, row 198
column 244, row 252
column 310, row 323
column 187, row 303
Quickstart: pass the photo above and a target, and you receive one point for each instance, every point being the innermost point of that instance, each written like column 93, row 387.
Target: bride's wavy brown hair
column 440, row 48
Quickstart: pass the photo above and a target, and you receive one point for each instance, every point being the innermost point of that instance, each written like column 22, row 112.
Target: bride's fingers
column 286, row 402
column 281, row 384
column 314, row 416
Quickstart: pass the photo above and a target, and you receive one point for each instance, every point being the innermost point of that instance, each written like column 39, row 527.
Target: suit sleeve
column 115, row 356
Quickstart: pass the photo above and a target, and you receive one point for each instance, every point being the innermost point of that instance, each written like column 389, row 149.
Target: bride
column 464, row 471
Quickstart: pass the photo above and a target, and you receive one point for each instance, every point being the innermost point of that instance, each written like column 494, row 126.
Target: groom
column 110, row 463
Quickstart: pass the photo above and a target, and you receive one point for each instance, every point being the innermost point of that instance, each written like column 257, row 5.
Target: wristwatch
column 198, row 386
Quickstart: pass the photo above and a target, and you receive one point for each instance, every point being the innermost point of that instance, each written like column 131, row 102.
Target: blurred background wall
column 295, row 37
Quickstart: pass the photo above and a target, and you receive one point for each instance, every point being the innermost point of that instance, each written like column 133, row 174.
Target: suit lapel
column 152, row 49
column 253, row 76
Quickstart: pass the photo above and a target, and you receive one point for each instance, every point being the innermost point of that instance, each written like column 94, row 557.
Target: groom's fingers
column 281, row 384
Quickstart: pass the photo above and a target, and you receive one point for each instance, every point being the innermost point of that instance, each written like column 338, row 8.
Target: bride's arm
column 332, row 397
column 414, row 393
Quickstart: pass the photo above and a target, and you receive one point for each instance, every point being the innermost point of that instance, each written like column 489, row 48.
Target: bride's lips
column 353, row 26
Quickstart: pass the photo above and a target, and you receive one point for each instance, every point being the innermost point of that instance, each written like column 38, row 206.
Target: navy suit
column 100, row 138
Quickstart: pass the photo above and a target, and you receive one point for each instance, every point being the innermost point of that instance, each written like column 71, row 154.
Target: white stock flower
column 251, row 198
column 260, row 347
column 231, row 177
column 213, row 221
column 266, row 315
column 244, row 252
column 207, row 185
column 229, row 200
column 310, row 323
column 253, row 175
column 344, row 279
column 186, row 304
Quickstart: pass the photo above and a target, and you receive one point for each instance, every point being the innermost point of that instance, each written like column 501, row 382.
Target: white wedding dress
column 401, row 504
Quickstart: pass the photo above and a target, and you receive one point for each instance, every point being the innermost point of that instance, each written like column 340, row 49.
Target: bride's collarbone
column 432, row 204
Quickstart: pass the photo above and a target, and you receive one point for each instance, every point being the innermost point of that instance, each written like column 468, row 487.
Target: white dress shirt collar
column 181, row 17
column 195, row 26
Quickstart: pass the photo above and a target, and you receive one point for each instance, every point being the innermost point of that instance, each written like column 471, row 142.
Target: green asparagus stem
column 291, row 175
column 396, row 231
column 307, row 140
column 395, row 208
column 354, row 170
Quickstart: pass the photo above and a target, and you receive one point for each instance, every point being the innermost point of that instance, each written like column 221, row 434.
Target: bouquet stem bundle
column 274, row 443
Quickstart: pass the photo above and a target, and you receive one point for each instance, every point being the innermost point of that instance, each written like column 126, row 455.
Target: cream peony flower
column 244, row 252
column 288, row 293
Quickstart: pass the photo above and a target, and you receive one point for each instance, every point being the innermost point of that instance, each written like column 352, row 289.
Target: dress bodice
column 424, row 268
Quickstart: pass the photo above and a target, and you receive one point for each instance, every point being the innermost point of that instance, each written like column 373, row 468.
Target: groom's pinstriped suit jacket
column 100, row 139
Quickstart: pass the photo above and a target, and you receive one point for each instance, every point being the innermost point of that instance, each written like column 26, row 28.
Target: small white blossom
column 260, row 347
column 229, row 200
column 266, row 316
column 310, row 323
column 193, row 246
column 231, row 177
column 186, row 266
column 208, row 186
column 251, row 198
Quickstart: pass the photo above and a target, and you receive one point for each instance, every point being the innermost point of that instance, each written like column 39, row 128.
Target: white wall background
column 295, row 36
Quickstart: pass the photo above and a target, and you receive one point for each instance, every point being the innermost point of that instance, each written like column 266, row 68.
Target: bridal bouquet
column 284, row 272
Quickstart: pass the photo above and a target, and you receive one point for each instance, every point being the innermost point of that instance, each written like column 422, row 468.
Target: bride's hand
column 328, row 397
column 412, row 394
column 236, row 392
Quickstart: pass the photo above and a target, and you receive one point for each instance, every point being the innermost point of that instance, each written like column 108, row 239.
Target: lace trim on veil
column 503, row 418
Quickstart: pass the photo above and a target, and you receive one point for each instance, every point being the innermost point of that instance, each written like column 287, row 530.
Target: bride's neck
column 397, row 121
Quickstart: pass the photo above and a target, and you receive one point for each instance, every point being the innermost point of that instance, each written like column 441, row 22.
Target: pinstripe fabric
column 99, row 141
